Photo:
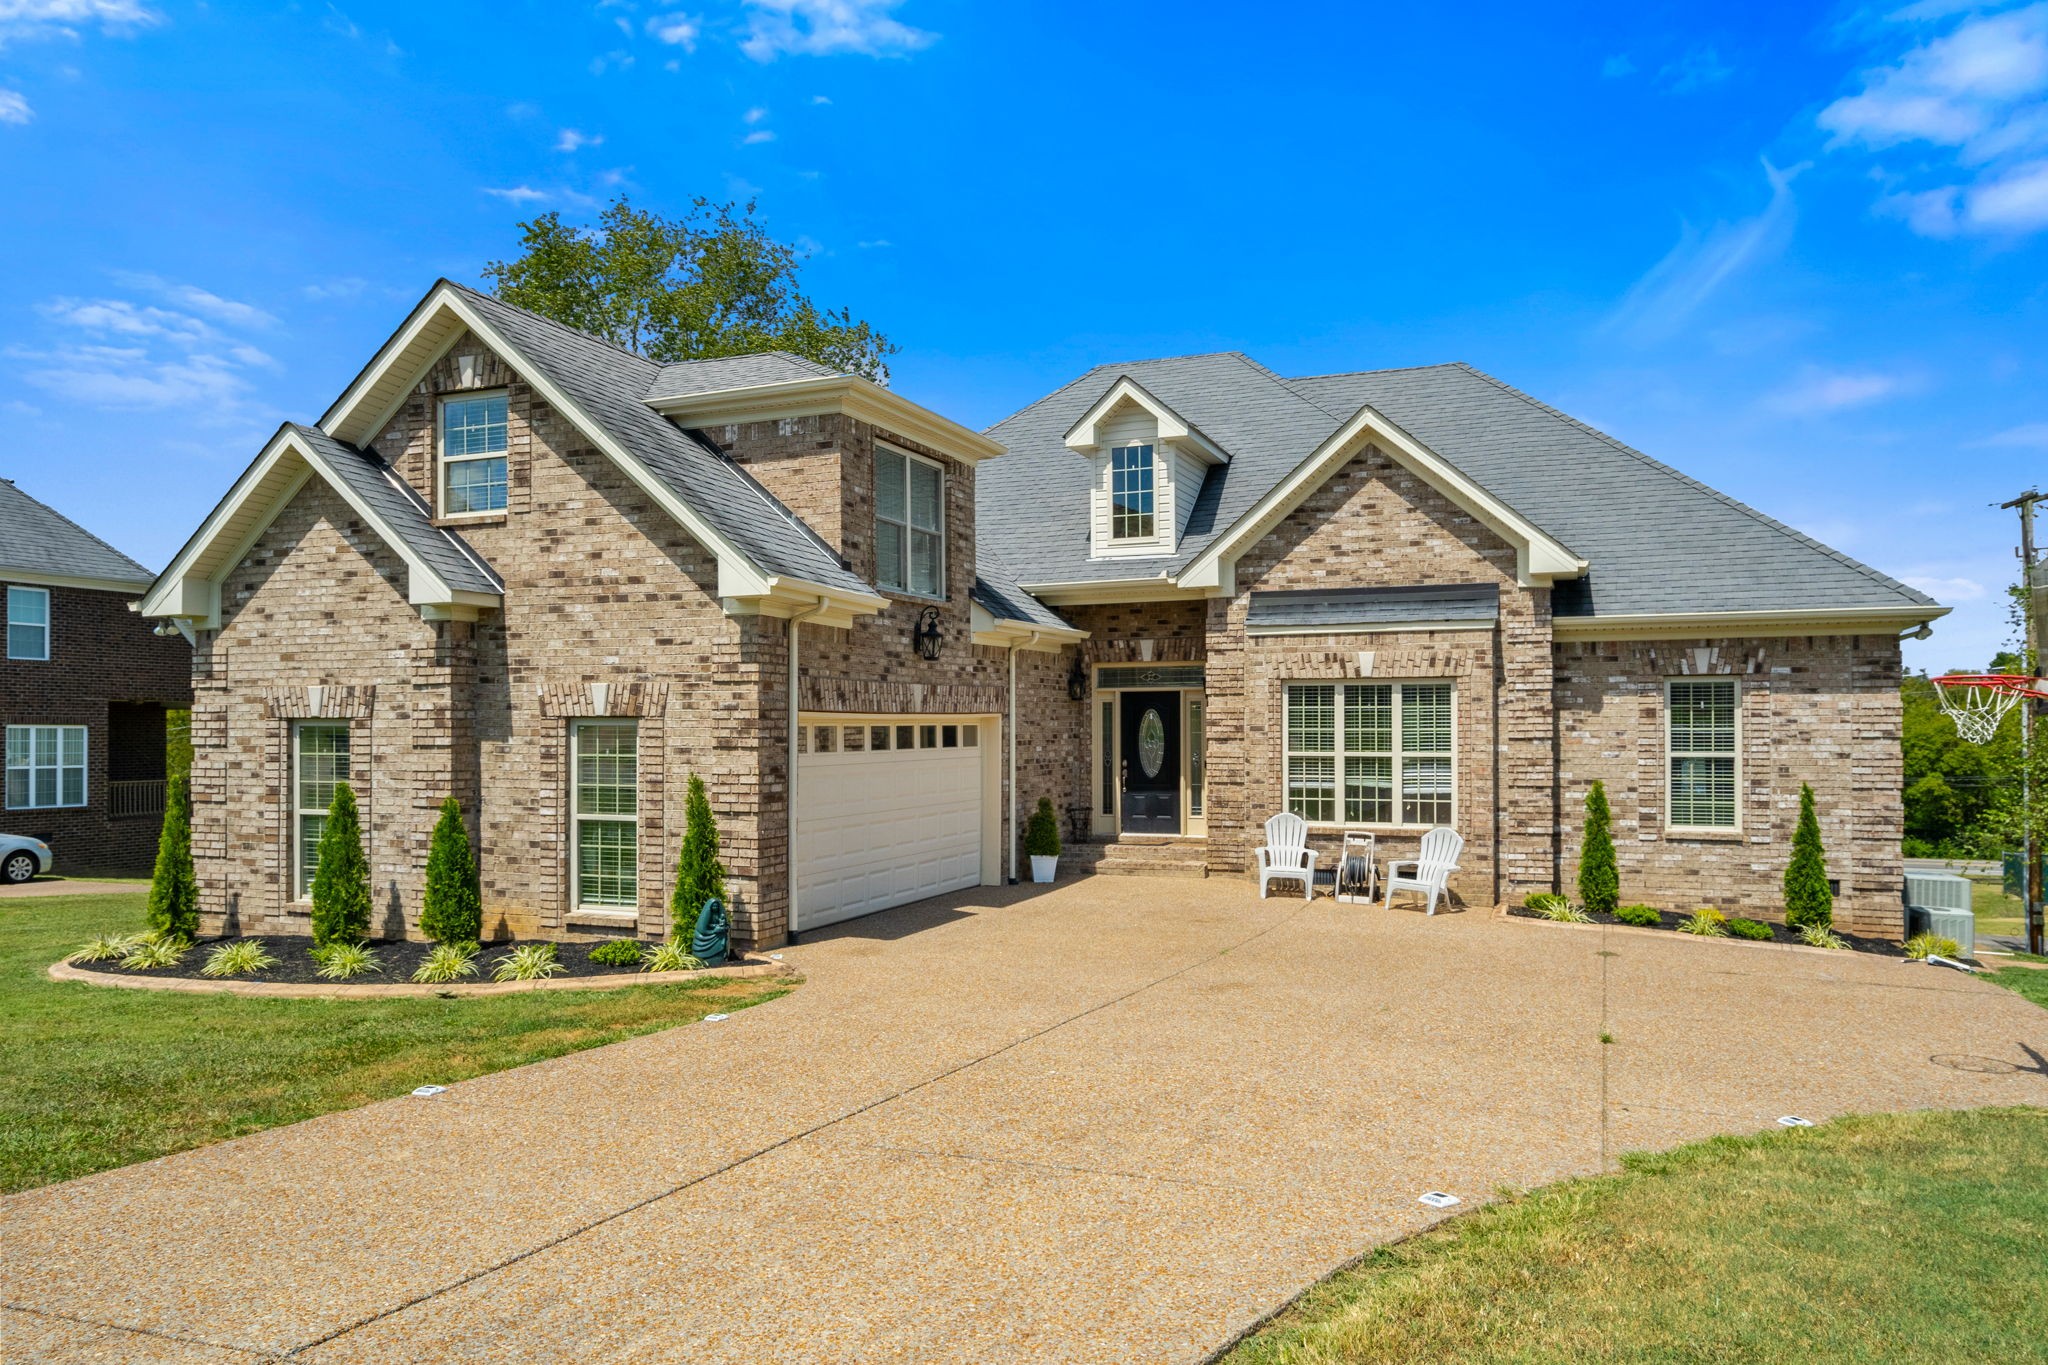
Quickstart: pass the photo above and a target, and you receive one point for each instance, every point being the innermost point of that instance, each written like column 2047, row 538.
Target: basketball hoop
column 1977, row 702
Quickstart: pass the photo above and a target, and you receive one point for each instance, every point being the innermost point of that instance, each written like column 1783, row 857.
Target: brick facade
column 111, row 673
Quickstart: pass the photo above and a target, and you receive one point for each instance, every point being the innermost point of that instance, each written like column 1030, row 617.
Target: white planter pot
column 1042, row 869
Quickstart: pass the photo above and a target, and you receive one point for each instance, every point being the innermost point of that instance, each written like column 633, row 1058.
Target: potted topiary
column 1042, row 841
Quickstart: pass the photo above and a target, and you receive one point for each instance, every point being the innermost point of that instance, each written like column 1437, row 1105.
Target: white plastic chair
column 1432, row 874
column 1287, row 856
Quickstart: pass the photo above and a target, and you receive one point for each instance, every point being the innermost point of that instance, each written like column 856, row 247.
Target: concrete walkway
column 72, row 886
column 1116, row 1120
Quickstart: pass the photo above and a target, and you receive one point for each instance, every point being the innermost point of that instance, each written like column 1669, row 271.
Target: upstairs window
column 1701, row 716
column 910, row 524
column 28, row 623
column 1131, row 494
column 473, row 454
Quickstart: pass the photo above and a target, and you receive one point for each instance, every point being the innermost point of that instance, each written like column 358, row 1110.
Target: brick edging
column 278, row 990
column 1501, row 912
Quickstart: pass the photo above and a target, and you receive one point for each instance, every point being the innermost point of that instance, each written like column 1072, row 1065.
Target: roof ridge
column 1875, row 575
column 1386, row 369
column 1288, row 385
column 104, row 545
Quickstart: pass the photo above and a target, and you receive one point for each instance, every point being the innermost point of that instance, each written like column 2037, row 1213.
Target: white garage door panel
column 881, row 829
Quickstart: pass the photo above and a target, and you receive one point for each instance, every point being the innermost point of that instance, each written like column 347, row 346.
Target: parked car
column 22, row 857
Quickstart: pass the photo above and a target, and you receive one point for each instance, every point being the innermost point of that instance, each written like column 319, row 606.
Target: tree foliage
column 341, row 881
column 1599, row 877
column 1808, row 901
column 1962, row 800
column 174, row 885
column 700, row 876
column 453, row 909
column 710, row 283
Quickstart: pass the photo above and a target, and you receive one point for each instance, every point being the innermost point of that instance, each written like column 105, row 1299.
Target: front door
column 1150, row 762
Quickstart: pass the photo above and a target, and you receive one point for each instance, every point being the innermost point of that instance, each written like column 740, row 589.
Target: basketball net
column 1978, row 702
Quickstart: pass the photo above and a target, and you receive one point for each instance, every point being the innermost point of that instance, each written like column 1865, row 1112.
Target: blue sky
column 1798, row 253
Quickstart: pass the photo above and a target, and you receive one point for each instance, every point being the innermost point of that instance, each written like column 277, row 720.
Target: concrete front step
column 1139, row 859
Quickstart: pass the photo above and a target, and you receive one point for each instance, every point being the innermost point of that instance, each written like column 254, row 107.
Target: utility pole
column 2034, row 612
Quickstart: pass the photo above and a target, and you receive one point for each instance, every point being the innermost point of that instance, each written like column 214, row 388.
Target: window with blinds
column 1700, row 719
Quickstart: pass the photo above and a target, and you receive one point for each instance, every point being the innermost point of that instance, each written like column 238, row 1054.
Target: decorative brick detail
column 865, row 695
column 642, row 697
column 318, row 702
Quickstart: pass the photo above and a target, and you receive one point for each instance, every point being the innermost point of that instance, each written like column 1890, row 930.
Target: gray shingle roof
column 679, row 379
column 1657, row 541
column 393, row 499
column 995, row 588
column 37, row 539
column 1371, row 609
column 611, row 386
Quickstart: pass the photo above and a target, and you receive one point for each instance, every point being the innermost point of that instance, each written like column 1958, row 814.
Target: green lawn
column 92, row 1077
column 1996, row 912
column 1898, row 1238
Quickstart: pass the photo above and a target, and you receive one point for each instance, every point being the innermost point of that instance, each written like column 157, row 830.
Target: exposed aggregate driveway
column 1117, row 1119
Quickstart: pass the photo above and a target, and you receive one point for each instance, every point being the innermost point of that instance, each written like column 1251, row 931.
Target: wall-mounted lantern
column 926, row 635
column 1077, row 681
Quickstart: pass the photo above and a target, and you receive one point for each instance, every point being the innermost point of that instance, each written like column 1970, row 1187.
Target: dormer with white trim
column 1149, row 467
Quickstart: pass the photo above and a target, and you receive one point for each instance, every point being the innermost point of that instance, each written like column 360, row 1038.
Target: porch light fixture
column 926, row 635
column 1077, row 680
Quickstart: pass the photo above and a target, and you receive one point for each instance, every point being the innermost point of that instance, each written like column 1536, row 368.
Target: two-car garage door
column 887, row 813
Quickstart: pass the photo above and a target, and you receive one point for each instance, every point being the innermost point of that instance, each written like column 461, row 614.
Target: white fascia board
column 177, row 592
column 1388, row 628
column 1699, row 625
column 1539, row 559
column 860, row 399
column 1111, row 590
column 1172, row 426
column 1000, row 632
column 33, row 578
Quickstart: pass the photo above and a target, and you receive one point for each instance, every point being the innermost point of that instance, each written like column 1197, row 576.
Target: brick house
column 84, row 687
column 519, row 565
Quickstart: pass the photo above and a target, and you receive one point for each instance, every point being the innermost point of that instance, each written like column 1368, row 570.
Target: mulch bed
column 398, row 961
column 1779, row 933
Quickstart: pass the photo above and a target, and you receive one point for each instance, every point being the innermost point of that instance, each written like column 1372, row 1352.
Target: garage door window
column 607, row 814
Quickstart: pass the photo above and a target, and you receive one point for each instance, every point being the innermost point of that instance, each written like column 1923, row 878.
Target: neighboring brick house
column 84, row 687
column 519, row 565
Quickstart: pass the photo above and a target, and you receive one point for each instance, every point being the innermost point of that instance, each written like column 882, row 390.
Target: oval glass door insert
column 1151, row 742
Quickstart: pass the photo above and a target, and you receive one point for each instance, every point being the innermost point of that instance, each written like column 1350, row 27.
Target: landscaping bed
column 1670, row 920
column 396, row 961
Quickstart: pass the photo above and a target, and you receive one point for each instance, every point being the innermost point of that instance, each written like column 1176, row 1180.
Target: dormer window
column 473, row 447
column 1131, row 493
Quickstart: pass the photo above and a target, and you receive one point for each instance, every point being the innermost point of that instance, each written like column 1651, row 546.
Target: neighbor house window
column 28, row 623
column 1370, row 753
column 320, row 763
column 1701, row 717
column 910, row 524
column 473, row 454
column 1130, row 493
column 607, row 814
column 45, row 766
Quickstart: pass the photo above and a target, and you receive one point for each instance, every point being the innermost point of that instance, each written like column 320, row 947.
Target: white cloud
column 759, row 135
column 1665, row 298
column 754, row 115
column 1947, row 591
column 136, row 354
column 821, row 99
column 1980, row 90
column 572, row 140
column 63, row 18
column 203, row 301
column 1617, row 66
column 1699, row 68
column 1819, row 392
column 14, row 107
column 346, row 287
column 518, row 194
column 124, row 318
column 677, row 30
column 2026, row 436
column 623, row 60
column 820, row 28
column 876, row 244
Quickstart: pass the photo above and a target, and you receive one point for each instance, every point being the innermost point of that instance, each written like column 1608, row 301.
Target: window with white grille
column 1371, row 753
column 1700, row 715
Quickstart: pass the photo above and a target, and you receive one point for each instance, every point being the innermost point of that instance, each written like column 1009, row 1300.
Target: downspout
column 1010, row 730
column 789, row 858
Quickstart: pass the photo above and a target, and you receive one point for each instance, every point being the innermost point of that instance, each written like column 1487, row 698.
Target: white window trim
column 84, row 766
column 1734, row 755
column 48, row 624
column 908, row 525
column 1340, row 753
column 442, row 459
column 577, row 819
column 1152, row 461
column 296, row 855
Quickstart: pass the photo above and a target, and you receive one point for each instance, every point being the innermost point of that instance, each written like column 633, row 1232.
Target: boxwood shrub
column 1642, row 916
column 1749, row 928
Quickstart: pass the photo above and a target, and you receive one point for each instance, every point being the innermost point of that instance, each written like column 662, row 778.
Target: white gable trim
column 189, row 590
column 1539, row 559
column 369, row 403
column 1172, row 426
column 997, row 632
column 861, row 399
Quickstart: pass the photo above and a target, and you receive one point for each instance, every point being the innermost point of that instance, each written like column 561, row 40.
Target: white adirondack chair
column 1440, row 850
column 1287, row 856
